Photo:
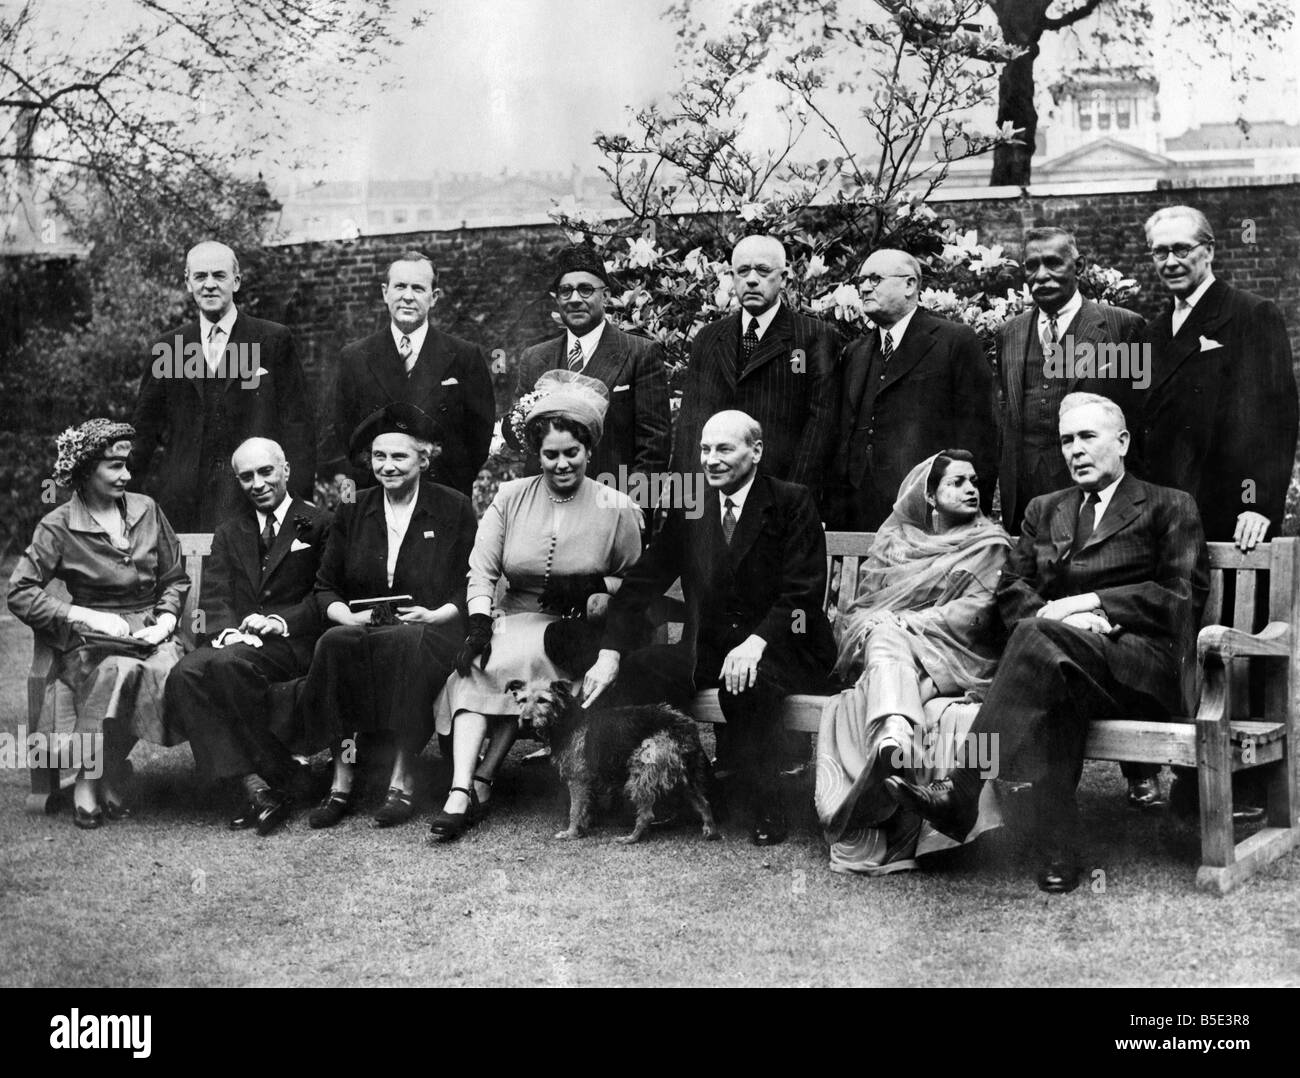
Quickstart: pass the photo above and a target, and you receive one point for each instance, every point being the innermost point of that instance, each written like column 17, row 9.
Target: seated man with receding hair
column 753, row 572
column 261, row 621
column 1102, row 597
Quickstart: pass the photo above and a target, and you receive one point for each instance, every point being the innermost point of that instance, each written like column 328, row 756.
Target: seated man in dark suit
column 753, row 572
column 1102, row 597
column 261, row 620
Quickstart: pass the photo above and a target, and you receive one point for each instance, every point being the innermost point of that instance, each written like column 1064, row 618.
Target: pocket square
column 298, row 544
column 430, row 534
column 261, row 372
column 1207, row 344
column 451, row 381
column 621, row 389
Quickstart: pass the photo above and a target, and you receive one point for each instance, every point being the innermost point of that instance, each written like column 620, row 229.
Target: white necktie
column 1181, row 310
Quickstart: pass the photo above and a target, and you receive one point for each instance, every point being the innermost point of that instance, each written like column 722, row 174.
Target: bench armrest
column 1224, row 643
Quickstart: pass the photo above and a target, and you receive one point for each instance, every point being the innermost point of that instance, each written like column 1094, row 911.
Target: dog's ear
column 515, row 688
column 562, row 689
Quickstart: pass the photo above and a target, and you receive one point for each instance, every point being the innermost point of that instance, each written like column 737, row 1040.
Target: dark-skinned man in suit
column 753, row 573
column 1032, row 348
column 209, row 385
column 262, row 621
column 1102, row 598
column 912, row 386
column 411, row 361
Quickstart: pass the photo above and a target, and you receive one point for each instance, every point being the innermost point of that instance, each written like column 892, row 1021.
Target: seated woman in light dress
column 924, row 625
column 121, row 563
column 557, row 531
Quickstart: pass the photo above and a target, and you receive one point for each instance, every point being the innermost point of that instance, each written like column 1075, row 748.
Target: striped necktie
column 404, row 350
column 575, row 355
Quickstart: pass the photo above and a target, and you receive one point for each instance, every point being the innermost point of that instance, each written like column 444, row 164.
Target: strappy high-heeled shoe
column 451, row 825
column 478, row 810
column 333, row 808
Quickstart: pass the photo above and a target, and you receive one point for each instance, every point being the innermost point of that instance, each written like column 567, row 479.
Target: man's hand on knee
column 740, row 667
column 603, row 674
column 1091, row 621
column 1061, row 609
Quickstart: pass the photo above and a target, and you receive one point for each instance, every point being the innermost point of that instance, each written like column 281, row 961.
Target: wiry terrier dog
column 649, row 751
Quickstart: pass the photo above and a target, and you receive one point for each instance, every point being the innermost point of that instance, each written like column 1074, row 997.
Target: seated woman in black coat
column 408, row 536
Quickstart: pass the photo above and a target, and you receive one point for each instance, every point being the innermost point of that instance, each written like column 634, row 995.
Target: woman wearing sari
column 924, row 626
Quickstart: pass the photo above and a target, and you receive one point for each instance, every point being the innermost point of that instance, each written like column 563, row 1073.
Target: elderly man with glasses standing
column 913, row 385
column 1219, row 417
column 638, row 423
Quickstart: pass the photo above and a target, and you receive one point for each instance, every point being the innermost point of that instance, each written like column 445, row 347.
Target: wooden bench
column 1249, row 635
column 43, row 688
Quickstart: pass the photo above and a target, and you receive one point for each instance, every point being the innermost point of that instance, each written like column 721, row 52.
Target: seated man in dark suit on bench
column 753, row 570
column 1102, row 597
column 261, row 620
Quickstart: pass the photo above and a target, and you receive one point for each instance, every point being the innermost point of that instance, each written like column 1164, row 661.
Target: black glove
column 478, row 641
column 566, row 596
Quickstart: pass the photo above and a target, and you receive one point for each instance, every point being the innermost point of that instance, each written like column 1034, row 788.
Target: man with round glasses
column 638, row 422
column 1219, row 418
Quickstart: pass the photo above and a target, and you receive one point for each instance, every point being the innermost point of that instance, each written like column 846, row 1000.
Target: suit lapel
column 283, row 540
column 1013, row 366
column 775, row 342
column 238, row 335
column 750, row 524
column 1174, row 349
column 1124, row 507
column 426, row 376
column 726, row 348
column 607, row 361
column 245, row 547
column 917, row 341
column 1065, row 518
column 385, row 364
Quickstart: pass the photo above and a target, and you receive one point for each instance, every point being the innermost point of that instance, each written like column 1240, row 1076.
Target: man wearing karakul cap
column 637, row 424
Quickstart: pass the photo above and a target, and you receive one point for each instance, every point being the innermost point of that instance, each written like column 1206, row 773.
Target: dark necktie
column 1087, row 522
column 729, row 520
column 575, row 356
column 886, row 348
column 266, row 539
column 747, row 345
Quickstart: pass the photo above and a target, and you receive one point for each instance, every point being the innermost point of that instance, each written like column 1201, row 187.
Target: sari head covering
column 912, row 568
column 80, row 448
column 574, row 396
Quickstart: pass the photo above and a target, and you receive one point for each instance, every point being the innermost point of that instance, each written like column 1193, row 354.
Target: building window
column 425, row 214
column 1085, row 121
column 1103, row 121
column 399, row 217
column 1123, row 118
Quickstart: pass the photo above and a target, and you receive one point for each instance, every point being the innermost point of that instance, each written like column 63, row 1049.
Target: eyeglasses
column 1178, row 250
column 762, row 271
column 586, row 291
column 874, row 279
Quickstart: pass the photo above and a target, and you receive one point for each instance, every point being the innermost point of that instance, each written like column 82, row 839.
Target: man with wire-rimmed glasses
column 1219, row 417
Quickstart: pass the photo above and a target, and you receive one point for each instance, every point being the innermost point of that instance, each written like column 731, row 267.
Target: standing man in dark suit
column 1219, row 420
column 769, row 362
column 262, row 621
column 912, row 386
column 413, row 362
column 1102, row 597
column 209, row 385
column 753, row 572
column 638, row 424
column 1062, row 322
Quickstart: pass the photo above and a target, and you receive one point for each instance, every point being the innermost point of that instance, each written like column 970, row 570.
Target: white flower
column 941, row 301
column 722, row 295
column 642, row 253
column 696, row 263
column 816, row 268
column 750, row 211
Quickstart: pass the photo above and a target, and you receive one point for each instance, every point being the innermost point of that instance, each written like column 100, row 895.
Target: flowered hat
column 574, row 396
column 80, row 447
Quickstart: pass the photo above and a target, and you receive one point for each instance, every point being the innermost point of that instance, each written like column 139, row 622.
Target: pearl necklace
column 561, row 501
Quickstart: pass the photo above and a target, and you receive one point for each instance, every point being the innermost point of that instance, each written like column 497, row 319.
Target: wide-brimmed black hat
column 580, row 258
column 395, row 418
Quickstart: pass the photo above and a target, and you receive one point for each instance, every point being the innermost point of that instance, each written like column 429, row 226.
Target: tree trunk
column 1021, row 23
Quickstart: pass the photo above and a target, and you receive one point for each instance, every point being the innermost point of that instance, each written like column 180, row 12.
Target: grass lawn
column 172, row 898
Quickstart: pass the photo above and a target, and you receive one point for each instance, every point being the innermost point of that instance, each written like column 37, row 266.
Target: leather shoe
column 116, row 810
column 769, row 828
column 1185, row 802
column 333, row 808
column 265, row 811
column 1060, row 874
column 938, row 802
column 1144, row 793
column 397, row 808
